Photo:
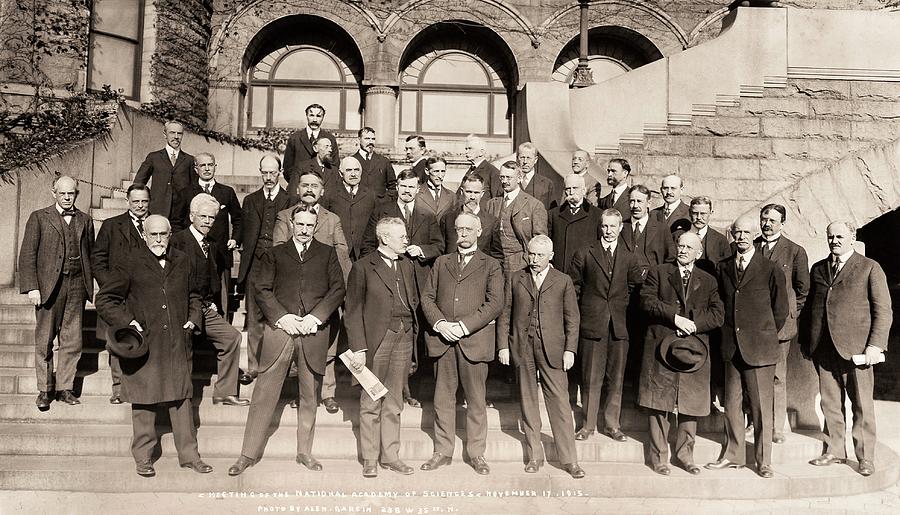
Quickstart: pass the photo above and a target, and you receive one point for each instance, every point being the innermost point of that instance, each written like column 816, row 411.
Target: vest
column 72, row 255
column 267, row 227
column 509, row 244
column 401, row 314
column 639, row 247
column 534, row 324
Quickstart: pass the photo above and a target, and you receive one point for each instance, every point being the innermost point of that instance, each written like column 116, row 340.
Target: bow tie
column 68, row 212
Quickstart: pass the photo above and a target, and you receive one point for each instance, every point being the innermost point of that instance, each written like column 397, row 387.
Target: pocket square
column 526, row 218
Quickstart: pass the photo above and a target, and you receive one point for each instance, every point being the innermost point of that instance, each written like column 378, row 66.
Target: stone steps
column 284, row 482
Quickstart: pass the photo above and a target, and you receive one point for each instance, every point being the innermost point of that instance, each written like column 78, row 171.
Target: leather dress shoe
column 723, row 464
column 437, row 460
column 370, row 469
column 766, row 472
column 242, row 464
column 583, row 434
column 778, row 438
column 616, row 434
column 691, row 468
column 309, row 462
column 231, row 400
column 662, row 469
column 480, row 466
column 144, row 469
column 532, row 467
column 398, row 467
column 198, row 466
column 866, row 468
column 574, row 470
column 295, row 403
column 826, row 459
column 331, row 406
column 246, row 378
column 43, row 401
column 413, row 402
column 67, row 396
column 115, row 399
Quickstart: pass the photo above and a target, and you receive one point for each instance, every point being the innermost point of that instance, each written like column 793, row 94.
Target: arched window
column 114, row 57
column 612, row 51
column 284, row 82
column 453, row 92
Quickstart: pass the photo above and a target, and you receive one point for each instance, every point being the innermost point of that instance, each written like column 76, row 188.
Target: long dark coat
column 161, row 301
column 660, row 387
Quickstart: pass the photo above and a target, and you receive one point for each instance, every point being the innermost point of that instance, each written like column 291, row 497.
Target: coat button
column 165, row 327
column 164, row 306
column 737, row 330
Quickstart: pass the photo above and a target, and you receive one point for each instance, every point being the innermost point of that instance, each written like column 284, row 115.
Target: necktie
column 68, row 212
column 269, row 196
column 207, row 188
column 303, row 252
column 506, row 200
column 172, row 158
column 685, row 278
column 204, row 244
column 140, row 225
column 740, row 264
column 162, row 260
column 435, row 193
column 609, row 257
column 835, row 267
column 636, row 235
column 405, row 214
column 574, row 209
column 462, row 261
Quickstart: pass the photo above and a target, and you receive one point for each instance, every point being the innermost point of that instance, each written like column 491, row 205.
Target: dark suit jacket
column 571, row 232
column 715, row 250
column 378, row 174
column 329, row 174
column 422, row 231
column 43, row 246
column 852, row 310
column 491, row 176
column 542, row 189
column 370, row 296
column 658, row 245
column 755, row 310
column 558, row 316
column 168, row 181
column 229, row 211
column 419, row 169
column 116, row 239
column 604, row 293
column 622, row 205
column 206, row 269
column 251, row 224
column 792, row 260
column 679, row 221
column 354, row 213
column 663, row 297
column 473, row 297
column 529, row 218
column 447, row 229
column 285, row 284
column 446, row 201
column 299, row 149
column 161, row 300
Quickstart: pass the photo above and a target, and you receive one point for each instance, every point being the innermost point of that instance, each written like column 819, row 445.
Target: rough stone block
column 655, row 165
column 679, row 145
column 750, row 148
column 805, row 128
column 860, row 110
column 726, row 126
column 788, row 169
column 875, row 131
column 777, row 106
column 880, row 169
column 816, row 149
column 815, row 88
column 877, row 91
column 863, row 200
column 727, row 189
column 705, row 168
column 728, row 210
column 809, row 200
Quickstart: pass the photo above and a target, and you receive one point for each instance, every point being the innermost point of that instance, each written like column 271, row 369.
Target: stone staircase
column 87, row 447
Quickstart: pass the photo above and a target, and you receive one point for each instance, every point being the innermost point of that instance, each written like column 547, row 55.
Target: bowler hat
column 683, row 354
column 126, row 342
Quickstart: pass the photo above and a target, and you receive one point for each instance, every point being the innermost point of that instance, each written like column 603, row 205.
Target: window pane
column 112, row 62
column 408, row 111
column 455, row 112
column 259, row 101
column 353, row 120
column 308, row 64
column 501, row 123
column 455, row 69
column 605, row 69
column 120, row 17
column 289, row 109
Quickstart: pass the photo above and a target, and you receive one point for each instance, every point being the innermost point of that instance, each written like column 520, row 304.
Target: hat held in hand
column 126, row 342
column 683, row 354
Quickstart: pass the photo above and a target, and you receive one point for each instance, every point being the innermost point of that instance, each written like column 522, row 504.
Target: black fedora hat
column 683, row 353
column 126, row 342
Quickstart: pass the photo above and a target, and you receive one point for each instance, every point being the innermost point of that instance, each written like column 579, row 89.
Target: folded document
column 365, row 377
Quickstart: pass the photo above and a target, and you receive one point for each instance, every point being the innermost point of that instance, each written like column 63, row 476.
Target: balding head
column 689, row 248
column 475, row 148
column 743, row 230
column 156, row 234
column 574, row 190
column 351, row 171
column 65, row 191
column 581, row 161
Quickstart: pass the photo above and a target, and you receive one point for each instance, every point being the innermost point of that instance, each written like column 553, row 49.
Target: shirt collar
column 542, row 274
column 702, row 232
column 844, row 257
column 311, row 133
column 350, row 188
column 620, row 188
column 412, row 205
column 477, row 162
column 526, row 178
column 512, row 194
column 774, row 237
column 609, row 246
column 474, row 211
column 170, row 150
column 640, row 222
column 196, row 234
column 414, row 163
column 387, row 259
column 274, row 191
column 747, row 255
column 674, row 205
column 432, row 187
column 689, row 268
column 467, row 253
column 299, row 246
column 211, row 182
column 59, row 209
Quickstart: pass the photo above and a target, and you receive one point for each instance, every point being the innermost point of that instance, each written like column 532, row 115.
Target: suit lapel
column 476, row 262
column 307, row 144
column 675, row 281
column 382, row 270
column 56, row 220
column 550, row 280
column 599, row 256
column 846, row 270
column 525, row 279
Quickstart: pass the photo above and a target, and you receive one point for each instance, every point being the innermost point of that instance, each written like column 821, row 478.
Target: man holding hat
column 682, row 304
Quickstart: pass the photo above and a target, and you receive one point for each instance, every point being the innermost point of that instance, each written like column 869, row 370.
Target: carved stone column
column 381, row 111
column 583, row 76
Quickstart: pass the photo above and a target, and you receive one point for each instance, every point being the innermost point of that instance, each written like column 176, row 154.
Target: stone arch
column 624, row 47
column 497, row 6
column 708, row 28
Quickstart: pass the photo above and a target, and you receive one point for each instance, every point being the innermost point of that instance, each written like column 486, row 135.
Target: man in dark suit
column 151, row 292
column 299, row 288
column 434, row 197
column 581, row 166
column 573, row 225
column 673, row 213
column 320, row 164
column 463, row 297
column 377, row 172
column 299, row 145
column 415, row 154
column 353, row 202
column 475, row 153
column 380, row 319
column 849, row 315
column 533, row 183
column 539, row 330
column 55, row 272
column 715, row 246
column 756, row 306
column 207, row 262
column 681, row 301
column 644, row 235
column 519, row 216
column 604, row 275
column 117, row 237
column 171, row 170
column 472, row 191
column 617, row 172
column 258, row 215
column 791, row 259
